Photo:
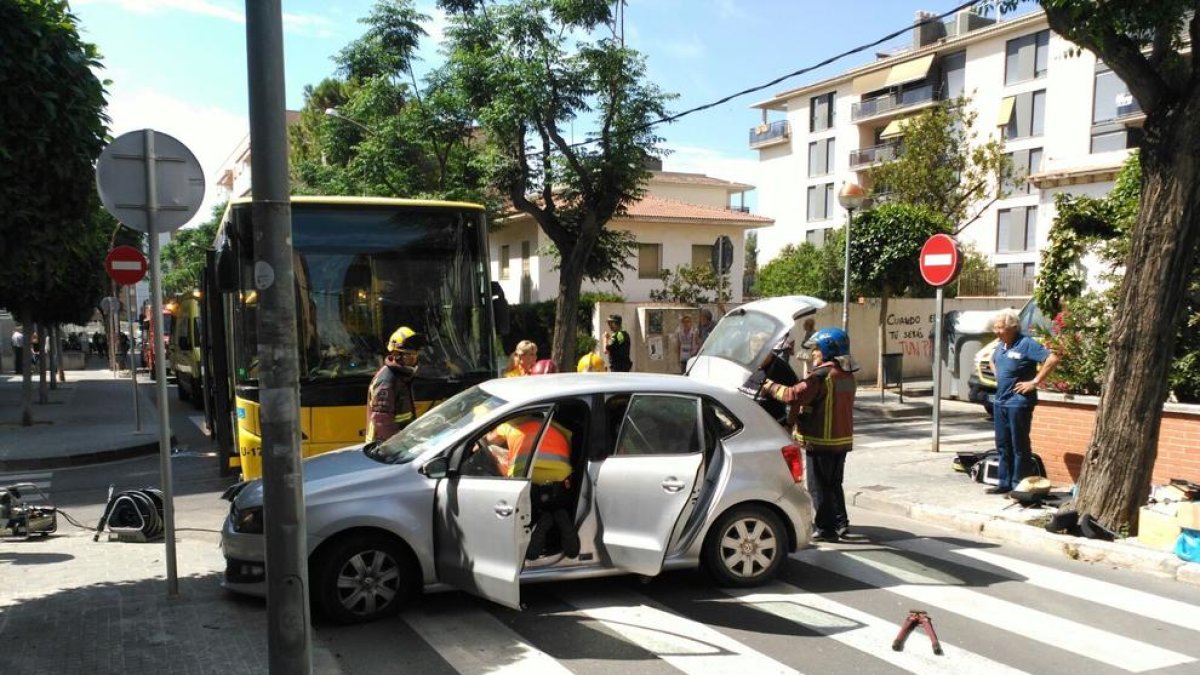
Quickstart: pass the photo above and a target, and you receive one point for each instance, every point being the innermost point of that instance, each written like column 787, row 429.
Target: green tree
column 183, row 257
column 885, row 244
column 52, row 131
column 689, row 286
column 1150, row 46
column 751, row 272
column 530, row 69
column 943, row 166
column 804, row 269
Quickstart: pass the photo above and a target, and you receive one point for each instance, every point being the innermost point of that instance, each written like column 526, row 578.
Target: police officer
column 616, row 343
column 821, row 412
column 390, row 405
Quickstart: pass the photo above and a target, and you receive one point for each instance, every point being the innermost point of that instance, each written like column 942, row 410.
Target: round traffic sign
column 940, row 260
column 126, row 265
column 122, row 174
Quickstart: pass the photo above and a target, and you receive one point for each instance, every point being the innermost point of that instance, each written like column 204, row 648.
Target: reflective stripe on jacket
column 822, row 422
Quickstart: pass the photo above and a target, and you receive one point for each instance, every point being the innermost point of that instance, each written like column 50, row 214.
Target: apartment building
column 1066, row 120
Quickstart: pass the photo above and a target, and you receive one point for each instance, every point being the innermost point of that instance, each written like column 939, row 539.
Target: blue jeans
column 1012, row 441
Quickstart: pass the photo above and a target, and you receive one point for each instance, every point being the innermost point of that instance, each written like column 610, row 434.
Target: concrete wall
column 1062, row 431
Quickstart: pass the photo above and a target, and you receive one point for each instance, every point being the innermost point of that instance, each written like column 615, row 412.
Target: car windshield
column 742, row 338
column 441, row 423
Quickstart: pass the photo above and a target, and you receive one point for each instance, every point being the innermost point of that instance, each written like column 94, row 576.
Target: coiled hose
column 135, row 511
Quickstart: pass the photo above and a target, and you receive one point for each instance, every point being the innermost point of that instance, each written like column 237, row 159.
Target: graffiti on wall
column 910, row 334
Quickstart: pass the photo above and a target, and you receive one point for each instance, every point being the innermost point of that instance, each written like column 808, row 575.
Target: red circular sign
column 126, row 265
column 940, row 260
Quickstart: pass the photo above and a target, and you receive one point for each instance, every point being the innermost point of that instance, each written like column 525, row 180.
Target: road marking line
column 962, row 438
column 928, row 586
column 473, row 641
column 688, row 645
column 862, row 631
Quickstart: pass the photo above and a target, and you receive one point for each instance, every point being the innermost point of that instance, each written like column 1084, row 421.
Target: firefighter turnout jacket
column 820, row 408
column 390, row 405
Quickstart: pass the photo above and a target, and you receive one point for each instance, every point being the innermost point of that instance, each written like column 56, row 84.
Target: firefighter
column 390, row 398
column 821, row 414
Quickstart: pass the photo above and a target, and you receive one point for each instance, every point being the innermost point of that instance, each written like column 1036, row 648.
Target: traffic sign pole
column 160, row 366
column 939, row 263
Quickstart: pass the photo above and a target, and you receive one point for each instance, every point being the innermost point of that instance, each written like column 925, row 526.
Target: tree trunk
column 26, row 374
column 43, row 394
column 1115, row 479
column 566, row 309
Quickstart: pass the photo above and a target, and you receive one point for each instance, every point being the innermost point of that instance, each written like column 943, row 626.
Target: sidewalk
column 88, row 419
column 71, row 606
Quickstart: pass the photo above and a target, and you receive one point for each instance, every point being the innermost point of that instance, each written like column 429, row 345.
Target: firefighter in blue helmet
column 390, row 405
column 821, row 413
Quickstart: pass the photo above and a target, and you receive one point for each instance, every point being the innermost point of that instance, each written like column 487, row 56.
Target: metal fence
column 995, row 282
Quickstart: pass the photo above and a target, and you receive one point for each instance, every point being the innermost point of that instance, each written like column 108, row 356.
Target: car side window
column 504, row 449
column 660, row 424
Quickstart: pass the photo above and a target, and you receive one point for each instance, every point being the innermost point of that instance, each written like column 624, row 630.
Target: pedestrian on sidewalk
column 616, row 344
column 821, row 413
column 18, row 349
column 390, row 402
column 1015, row 363
column 688, row 338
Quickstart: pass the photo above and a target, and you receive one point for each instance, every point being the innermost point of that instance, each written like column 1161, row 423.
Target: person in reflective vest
column 821, row 414
column 390, row 405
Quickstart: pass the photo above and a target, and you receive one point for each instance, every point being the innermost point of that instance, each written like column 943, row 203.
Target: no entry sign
column 125, row 265
column 940, row 260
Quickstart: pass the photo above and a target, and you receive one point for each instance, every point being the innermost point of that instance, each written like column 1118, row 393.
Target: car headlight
column 248, row 521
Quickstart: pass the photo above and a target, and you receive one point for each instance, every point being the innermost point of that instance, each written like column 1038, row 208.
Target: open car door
column 482, row 522
column 644, row 487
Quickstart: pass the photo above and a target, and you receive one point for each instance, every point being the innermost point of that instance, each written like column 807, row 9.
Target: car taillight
column 794, row 457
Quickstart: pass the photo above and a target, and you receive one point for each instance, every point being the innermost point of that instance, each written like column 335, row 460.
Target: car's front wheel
column 362, row 578
column 745, row 547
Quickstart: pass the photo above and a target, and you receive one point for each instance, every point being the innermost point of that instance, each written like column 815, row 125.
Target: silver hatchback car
column 542, row 478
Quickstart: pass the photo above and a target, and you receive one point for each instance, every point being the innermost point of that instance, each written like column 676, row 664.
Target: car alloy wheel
column 362, row 578
column 745, row 547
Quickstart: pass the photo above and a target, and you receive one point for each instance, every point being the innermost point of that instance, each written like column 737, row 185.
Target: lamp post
column 334, row 112
column 851, row 197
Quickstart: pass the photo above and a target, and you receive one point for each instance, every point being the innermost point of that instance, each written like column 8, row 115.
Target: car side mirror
column 439, row 467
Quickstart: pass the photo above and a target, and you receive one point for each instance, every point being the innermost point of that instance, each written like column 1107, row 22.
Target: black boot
column 537, row 540
column 566, row 533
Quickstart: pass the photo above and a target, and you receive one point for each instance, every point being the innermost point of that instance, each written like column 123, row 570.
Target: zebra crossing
column 879, row 433
column 838, row 605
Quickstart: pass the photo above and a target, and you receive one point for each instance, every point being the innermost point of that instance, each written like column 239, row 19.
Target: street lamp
column 334, row 112
column 852, row 197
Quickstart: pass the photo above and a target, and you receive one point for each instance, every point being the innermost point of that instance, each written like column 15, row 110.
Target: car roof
column 518, row 390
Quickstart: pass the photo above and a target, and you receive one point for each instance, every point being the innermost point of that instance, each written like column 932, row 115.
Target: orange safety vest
column 553, row 463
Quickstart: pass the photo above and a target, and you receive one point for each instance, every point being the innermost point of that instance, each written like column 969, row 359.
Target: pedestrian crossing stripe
column 1105, row 593
column 929, row 590
column 862, row 631
column 473, row 641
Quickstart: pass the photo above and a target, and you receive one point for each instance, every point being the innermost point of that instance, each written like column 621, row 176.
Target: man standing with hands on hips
column 1015, row 363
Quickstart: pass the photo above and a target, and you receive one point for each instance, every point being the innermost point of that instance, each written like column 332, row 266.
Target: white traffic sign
column 178, row 180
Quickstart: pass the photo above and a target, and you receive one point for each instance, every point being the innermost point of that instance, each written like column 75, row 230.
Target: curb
column 82, row 459
column 1114, row 554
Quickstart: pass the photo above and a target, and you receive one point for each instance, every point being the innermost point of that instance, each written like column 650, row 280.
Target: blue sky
column 179, row 66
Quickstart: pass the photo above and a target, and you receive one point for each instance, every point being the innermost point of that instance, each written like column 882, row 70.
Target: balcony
column 884, row 152
column 894, row 102
column 765, row 134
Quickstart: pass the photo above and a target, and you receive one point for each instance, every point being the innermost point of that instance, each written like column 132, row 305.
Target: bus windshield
column 364, row 270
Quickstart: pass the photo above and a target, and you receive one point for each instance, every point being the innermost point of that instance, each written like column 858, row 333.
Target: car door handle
column 503, row 509
column 672, row 484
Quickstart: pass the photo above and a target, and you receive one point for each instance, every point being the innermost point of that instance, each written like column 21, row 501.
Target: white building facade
column 1066, row 120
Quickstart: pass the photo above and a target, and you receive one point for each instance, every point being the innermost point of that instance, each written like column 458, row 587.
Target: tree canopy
column 183, row 257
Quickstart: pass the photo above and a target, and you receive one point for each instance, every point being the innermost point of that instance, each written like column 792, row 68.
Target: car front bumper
column 245, row 561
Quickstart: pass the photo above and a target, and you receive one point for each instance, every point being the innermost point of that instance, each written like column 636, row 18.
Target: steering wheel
column 481, row 461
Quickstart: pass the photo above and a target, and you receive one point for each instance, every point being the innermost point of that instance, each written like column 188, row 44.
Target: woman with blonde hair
column 522, row 359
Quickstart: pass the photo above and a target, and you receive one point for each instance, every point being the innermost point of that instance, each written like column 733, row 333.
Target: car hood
column 328, row 472
column 729, row 374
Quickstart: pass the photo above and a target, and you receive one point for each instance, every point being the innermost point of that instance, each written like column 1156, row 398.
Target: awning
column 1006, row 111
column 894, row 129
column 909, row 71
column 871, row 81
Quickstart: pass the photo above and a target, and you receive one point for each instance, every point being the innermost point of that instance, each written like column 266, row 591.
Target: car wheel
column 745, row 547
column 362, row 578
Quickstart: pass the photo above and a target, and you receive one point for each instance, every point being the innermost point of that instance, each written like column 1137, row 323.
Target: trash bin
column 965, row 332
column 893, row 374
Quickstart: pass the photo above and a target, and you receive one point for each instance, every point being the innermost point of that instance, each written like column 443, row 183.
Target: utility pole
column 289, row 640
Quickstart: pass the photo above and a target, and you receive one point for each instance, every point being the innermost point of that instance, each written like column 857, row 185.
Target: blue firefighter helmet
column 833, row 342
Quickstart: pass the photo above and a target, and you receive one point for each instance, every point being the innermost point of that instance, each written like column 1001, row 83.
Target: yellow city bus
column 364, row 266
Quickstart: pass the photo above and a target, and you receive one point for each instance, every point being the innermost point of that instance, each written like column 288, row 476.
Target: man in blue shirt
column 1015, row 363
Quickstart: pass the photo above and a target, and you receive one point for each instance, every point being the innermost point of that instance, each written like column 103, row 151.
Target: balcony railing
column 769, row 134
column 897, row 100
column 884, row 152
